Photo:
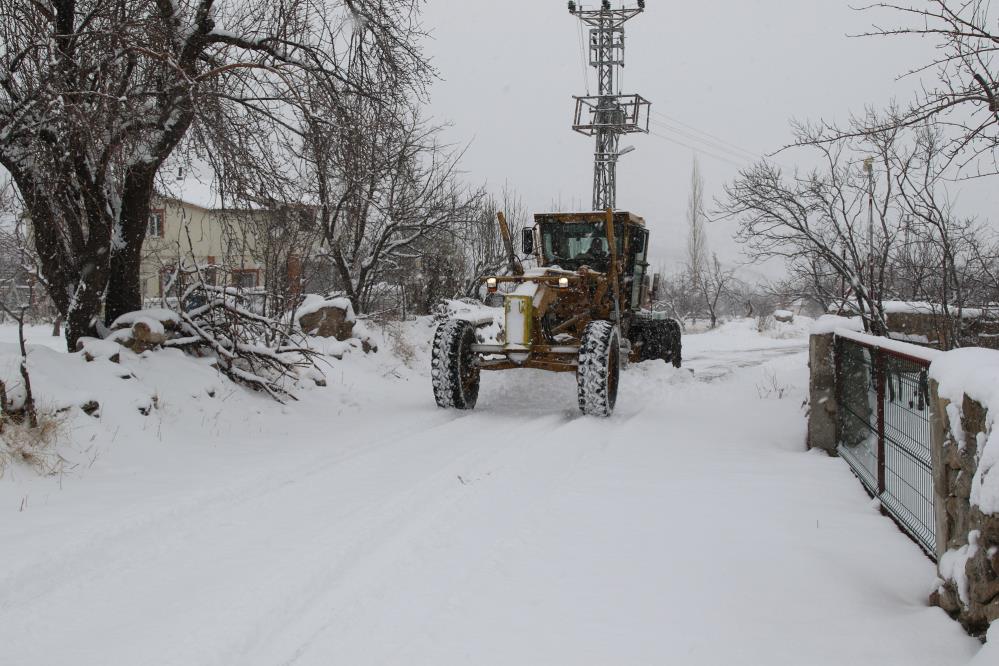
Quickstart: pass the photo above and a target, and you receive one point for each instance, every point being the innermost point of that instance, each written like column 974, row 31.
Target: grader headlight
column 563, row 283
column 491, row 285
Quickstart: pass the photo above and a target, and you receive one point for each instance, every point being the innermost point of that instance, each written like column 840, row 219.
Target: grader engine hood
column 519, row 310
column 534, row 308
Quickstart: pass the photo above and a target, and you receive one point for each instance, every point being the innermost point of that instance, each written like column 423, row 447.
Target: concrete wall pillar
column 822, row 393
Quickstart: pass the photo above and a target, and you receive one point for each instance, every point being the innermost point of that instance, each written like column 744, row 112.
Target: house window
column 156, row 223
column 245, row 279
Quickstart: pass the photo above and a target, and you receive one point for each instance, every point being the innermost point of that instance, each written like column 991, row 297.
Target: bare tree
column 965, row 98
column 386, row 188
column 697, row 242
column 866, row 237
column 714, row 284
column 95, row 95
column 834, row 216
column 485, row 252
column 677, row 296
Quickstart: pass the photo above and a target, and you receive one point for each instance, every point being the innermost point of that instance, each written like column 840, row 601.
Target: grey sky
column 737, row 69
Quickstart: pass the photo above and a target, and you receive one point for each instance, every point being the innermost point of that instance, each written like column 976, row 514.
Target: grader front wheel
column 599, row 368
column 455, row 375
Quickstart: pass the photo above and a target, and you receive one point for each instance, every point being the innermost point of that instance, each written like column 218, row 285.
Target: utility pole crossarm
column 609, row 114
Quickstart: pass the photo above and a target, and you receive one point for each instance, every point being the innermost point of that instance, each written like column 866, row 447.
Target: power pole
column 869, row 170
column 609, row 114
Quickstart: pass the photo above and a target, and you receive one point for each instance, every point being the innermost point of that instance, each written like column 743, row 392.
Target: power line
column 711, row 144
column 691, row 128
column 582, row 58
column 697, row 150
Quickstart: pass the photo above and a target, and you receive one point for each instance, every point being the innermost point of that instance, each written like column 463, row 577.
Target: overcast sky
column 736, row 69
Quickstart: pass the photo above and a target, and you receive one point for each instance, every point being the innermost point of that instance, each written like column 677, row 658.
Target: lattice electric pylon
column 609, row 114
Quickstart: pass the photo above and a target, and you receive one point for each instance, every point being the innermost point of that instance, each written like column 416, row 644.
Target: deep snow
column 362, row 525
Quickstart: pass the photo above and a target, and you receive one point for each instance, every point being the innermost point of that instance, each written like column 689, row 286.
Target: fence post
column 879, row 363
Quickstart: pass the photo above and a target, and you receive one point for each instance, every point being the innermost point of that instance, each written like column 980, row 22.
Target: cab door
column 638, row 251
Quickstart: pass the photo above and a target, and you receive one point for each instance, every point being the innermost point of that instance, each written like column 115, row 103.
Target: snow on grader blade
column 580, row 311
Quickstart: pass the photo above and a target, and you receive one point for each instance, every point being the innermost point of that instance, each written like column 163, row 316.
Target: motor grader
column 580, row 310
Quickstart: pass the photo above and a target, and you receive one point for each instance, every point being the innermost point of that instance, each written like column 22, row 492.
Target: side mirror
column 528, row 241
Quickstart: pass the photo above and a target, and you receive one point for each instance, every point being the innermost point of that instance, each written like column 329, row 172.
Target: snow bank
column 974, row 372
column 989, row 655
column 827, row 324
column 123, row 392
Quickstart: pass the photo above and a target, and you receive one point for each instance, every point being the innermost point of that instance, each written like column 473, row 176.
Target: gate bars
column 883, row 432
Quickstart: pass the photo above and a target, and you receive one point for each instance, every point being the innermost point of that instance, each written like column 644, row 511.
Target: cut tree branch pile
column 251, row 349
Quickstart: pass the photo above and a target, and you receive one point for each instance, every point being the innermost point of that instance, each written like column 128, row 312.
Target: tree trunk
column 75, row 276
column 124, row 287
column 124, row 283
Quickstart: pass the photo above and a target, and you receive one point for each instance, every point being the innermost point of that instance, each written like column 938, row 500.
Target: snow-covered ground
column 362, row 525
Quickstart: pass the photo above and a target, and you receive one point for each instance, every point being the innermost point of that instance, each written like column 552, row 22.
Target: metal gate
column 883, row 432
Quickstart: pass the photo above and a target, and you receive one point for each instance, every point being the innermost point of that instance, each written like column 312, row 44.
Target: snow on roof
column 919, row 307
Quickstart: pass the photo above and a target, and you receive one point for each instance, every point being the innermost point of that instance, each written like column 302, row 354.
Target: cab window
column 572, row 245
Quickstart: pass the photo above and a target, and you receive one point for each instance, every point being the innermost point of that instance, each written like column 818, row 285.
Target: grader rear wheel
column 455, row 375
column 599, row 368
column 659, row 340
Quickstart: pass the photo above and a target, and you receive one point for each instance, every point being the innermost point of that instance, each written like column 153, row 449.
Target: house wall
column 208, row 237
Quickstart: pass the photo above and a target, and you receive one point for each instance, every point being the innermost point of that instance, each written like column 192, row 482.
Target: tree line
column 873, row 216
column 307, row 110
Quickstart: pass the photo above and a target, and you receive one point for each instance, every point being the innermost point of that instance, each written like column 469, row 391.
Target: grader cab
column 581, row 310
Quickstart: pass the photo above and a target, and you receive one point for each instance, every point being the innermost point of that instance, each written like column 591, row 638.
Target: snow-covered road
column 690, row 528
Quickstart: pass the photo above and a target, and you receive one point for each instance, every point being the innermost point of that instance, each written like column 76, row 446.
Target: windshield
column 572, row 245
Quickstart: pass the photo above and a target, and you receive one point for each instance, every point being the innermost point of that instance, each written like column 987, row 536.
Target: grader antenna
column 609, row 114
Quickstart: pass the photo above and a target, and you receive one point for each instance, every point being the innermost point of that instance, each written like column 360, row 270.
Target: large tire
column 453, row 369
column 676, row 340
column 599, row 368
column 659, row 340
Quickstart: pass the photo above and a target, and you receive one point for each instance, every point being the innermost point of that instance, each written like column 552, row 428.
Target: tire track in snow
column 449, row 537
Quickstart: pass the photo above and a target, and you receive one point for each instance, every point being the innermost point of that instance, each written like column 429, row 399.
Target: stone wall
column 967, row 539
column 935, row 329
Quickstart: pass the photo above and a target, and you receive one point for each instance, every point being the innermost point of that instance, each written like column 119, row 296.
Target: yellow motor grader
column 579, row 311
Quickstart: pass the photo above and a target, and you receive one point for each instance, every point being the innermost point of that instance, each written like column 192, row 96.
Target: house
column 184, row 237
column 271, row 251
